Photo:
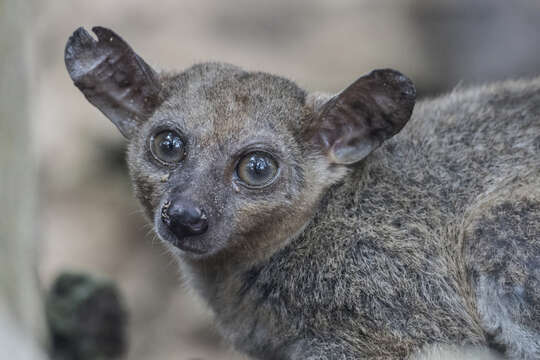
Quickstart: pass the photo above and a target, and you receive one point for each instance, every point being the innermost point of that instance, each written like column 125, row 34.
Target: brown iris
column 257, row 169
column 168, row 147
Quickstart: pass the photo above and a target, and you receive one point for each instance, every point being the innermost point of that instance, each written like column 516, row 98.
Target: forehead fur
column 222, row 101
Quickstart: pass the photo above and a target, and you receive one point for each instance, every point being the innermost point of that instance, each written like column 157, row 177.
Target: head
column 230, row 162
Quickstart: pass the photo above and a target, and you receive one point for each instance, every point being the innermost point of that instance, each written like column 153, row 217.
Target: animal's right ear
column 113, row 77
column 350, row 125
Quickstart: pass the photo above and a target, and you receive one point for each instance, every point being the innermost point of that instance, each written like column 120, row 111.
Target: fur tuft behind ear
column 352, row 124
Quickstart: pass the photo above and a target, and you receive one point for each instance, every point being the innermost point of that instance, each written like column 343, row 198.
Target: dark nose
column 184, row 218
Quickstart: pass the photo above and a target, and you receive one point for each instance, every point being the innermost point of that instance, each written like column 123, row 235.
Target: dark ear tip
column 82, row 49
column 98, row 28
column 397, row 80
column 81, row 40
column 81, row 35
column 103, row 33
column 77, row 42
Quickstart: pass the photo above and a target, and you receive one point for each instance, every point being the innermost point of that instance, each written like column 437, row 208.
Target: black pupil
column 258, row 166
column 168, row 147
column 170, row 144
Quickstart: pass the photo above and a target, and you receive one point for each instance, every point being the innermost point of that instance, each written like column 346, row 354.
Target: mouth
column 184, row 245
column 189, row 244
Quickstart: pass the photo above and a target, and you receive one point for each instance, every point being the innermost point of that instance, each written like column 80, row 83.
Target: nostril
column 190, row 215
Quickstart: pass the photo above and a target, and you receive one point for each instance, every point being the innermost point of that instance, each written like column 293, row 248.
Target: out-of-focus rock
column 86, row 317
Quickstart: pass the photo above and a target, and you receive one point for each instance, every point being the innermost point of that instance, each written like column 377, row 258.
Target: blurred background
column 66, row 200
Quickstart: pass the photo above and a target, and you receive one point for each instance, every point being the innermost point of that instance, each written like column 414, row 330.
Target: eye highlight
column 257, row 169
column 167, row 147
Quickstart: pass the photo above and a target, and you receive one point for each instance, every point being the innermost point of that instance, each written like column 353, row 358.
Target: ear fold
column 113, row 77
column 352, row 124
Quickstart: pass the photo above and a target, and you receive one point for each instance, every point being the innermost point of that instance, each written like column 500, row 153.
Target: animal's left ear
column 350, row 125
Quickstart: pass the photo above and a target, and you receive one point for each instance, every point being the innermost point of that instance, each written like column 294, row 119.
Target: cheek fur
column 149, row 190
column 269, row 226
column 148, row 181
column 146, row 193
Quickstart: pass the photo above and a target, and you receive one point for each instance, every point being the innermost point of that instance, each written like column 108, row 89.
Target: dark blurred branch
column 87, row 318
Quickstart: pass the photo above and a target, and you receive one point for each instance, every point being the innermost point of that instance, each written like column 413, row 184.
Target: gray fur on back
column 349, row 249
column 383, row 267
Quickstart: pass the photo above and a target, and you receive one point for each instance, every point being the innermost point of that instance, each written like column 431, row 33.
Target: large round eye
column 167, row 146
column 257, row 169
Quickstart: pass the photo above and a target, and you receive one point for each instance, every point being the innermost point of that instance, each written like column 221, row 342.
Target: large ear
column 350, row 125
column 113, row 77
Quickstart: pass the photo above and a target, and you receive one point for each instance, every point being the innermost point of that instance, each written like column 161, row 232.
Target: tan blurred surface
column 22, row 325
column 89, row 219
